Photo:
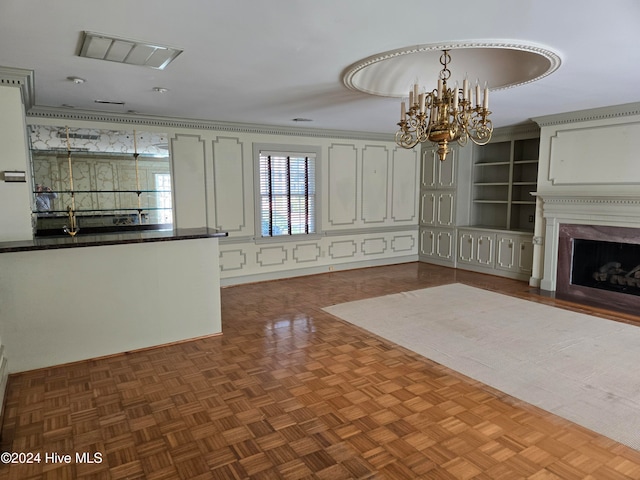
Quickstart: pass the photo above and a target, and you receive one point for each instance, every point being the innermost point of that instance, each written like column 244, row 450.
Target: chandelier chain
column 445, row 58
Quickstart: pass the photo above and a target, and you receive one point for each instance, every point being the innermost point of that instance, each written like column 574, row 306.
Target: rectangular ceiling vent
column 122, row 50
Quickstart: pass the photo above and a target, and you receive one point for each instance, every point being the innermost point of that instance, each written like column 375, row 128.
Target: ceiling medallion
column 444, row 115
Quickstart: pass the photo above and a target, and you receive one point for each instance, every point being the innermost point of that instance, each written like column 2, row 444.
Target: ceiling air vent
column 122, row 50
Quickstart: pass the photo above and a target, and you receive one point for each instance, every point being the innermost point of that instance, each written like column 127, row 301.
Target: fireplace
column 599, row 266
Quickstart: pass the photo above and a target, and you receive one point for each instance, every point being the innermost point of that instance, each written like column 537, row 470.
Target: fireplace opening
column 606, row 265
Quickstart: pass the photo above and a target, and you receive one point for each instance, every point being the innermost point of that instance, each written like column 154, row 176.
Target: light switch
column 15, row 176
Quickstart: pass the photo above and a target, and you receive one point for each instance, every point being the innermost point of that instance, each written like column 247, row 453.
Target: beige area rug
column 583, row 368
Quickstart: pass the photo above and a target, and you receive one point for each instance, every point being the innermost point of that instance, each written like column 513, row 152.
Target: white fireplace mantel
column 614, row 209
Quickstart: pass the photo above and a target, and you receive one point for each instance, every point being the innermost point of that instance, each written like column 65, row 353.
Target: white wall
column 15, row 198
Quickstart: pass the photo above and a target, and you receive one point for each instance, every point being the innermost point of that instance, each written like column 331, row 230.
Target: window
column 287, row 193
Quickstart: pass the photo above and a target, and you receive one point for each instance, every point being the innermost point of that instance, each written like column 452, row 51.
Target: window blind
column 287, row 194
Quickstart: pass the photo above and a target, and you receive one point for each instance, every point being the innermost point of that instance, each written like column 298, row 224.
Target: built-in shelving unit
column 505, row 172
column 476, row 210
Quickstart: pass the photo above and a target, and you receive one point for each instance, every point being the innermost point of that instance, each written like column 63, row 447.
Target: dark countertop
column 51, row 243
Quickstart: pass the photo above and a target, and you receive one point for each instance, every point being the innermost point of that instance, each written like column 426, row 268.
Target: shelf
column 111, row 210
column 101, row 155
column 108, row 191
column 503, row 185
column 491, row 164
column 493, row 152
column 526, row 150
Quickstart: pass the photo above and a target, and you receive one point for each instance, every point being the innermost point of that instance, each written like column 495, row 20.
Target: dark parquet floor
column 290, row 392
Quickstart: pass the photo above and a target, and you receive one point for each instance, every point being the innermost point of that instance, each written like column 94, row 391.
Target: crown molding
column 168, row 122
column 521, row 130
column 21, row 78
column 625, row 110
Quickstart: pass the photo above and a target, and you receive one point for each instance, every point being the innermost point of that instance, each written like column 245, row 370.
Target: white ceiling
column 270, row 61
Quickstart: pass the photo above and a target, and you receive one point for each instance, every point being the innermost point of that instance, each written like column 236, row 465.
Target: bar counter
column 93, row 240
column 60, row 303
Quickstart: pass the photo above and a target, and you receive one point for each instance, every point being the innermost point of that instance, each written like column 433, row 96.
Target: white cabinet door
column 437, row 208
column 447, row 170
column 525, row 255
column 428, row 208
column 485, row 249
column 430, row 172
column 438, row 174
column 515, row 253
column 466, row 247
column 438, row 244
column 476, row 248
column 506, row 253
column 445, row 209
column 445, row 244
column 427, row 242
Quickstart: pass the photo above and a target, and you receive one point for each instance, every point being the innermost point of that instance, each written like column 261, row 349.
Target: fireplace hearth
column 600, row 266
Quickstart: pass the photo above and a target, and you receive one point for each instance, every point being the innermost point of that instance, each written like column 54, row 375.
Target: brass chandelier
column 445, row 115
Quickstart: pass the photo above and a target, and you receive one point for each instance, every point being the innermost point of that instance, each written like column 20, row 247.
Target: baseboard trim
column 301, row 272
column 117, row 354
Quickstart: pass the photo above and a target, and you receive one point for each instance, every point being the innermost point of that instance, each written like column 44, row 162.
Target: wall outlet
column 332, row 268
column 530, row 218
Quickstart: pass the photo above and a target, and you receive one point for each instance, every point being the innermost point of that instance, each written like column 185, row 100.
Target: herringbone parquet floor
column 290, row 392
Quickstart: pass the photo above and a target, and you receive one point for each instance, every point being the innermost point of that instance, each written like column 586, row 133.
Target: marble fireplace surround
column 569, row 215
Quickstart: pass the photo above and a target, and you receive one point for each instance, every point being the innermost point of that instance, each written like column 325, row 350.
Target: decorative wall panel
column 404, row 185
column 614, row 161
column 229, row 194
column 342, row 249
column 306, row 252
column 374, row 246
column 375, row 160
column 232, row 260
column 403, row 243
column 343, row 179
column 189, row 174
column 269, row 256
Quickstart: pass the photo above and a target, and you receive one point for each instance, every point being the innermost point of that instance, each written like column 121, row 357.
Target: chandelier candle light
column 445, row 115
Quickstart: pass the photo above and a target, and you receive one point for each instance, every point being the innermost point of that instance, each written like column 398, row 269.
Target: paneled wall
column 367, row 191
column 368, row 210
column 588, row 174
